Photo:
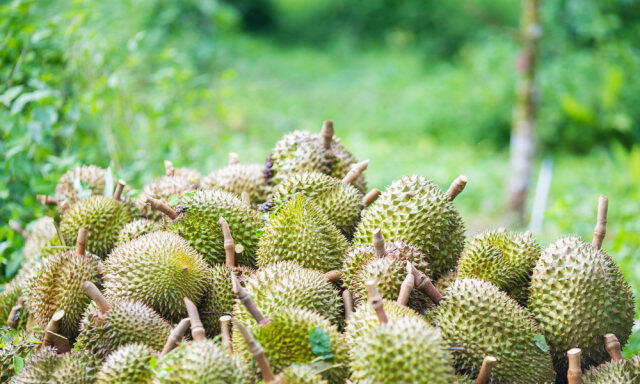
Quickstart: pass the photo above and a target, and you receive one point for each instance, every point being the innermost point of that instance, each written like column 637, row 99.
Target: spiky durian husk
column 15, row 346
column 90, row 175
column 238, row 178
column 9, row 296
column 125, row 323
column 162, row 188
column 614, row 372
column 198, row 224
column 201, row 362
column 41, row 231
column 129, row 364
column 137, row 228
column 286, row 284
column 446, row 280
column 59, row 286
column 301, row 374
column 299, row 231
column 300, row 151
column 341, row 203
column 404, row 350
column 190, row 174
column 103, row 216
column 503, row 258
column 286, row 341
column 483, row 320
column 577, row 296
column 76, row 368
column 364, row 319
column 37, row 368
column 159, row 269
column 416, row 211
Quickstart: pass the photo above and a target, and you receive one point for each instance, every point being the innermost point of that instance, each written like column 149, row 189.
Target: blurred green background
column 417, row 86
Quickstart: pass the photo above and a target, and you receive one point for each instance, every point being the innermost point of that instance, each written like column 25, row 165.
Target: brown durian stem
column 574, row 373
column 376, row 301
column 485, row 371
column 81, row 243
column 326, row 134
column 52, row 338
column 456, row 187
column 175, row 336
column 333, row 276
column 233, row 158
column 163, row 207
column 94, row 294
column 612, row 345
column 407, row 286
column 257, row 352
column 348, row 304
column 371, row 196
column 229, row 244
column 225, row 331
column 601, row 224
column 17, row 228
column 197, row 329
column 246, row 300
column 424, row 284
column 378, row 243
column 48, row 200
column 117, row 194
column 355, row 172
column 246, row 199
column 14, row 315
column 169, row 170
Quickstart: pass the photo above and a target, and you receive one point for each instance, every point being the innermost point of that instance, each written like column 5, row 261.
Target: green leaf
column 541, row 343
column 320, row 343
column 173, row 200
column 18, row 363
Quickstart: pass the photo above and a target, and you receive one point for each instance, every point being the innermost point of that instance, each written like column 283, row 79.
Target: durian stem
column 424, row 284
column 52, row 338
column 246, row 199
column 333, row 276
column 355, row 172
column 81, row 243
column 244, row 298
column 17, row 228
column 163, row 207
column 229, row 244
column 197, row 329
column 407, row 286
column 168, row 168
column 117, row 194
column 612, row 345
column 485, row 371
column 233, row 158
column 378, row 243
column 225, row 331
column 175, row 336
column 257, row 352
column 574, row 373
column 48, row 200
column 601, row 224
column 94, row 294
column 456, row 187
column 14, row 315
column 371, row 196
column 348, row 304
column 376, row 301
column 326, row 134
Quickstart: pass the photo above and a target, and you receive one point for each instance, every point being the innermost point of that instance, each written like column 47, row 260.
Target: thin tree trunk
column 523, row 134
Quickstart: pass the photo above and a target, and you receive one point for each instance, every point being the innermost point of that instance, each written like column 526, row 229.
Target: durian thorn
column 257, row 352
column 244, row 298
column 229, row 244
column 501, row 230
column 370, row 197
column 326, row 134
column 14, row 315
column 333, row 276
column 348, row 304
column 378, row 243
column 168, row 168
column 57, row 341
column 246, row 198
column 233, row 158
column 225, row 331
column 424, row 284
column 355, row 172
column 175, row 336
column 376, row 301
column 485, row 371
column 48, row 200
column 612, row 345
column 163, row 207
column 600, row 230
column 17, row 228
column 117, row 194
column 94, row 294
column 574, row 373
column 101, row 268
column 197, row 329
column 407, row 286
column 457, row 186
column 81, row 243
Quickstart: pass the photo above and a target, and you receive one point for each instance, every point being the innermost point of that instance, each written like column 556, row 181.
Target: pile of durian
column 291, row 272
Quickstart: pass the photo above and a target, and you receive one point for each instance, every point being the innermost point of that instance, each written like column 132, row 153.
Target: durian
column 37, row 368
column 38, row 235
column 90, row 177
column 237, row 178
column 136, row 229
column 129, row 364
column 75, row 368
column 618, row 370
column 301, row 374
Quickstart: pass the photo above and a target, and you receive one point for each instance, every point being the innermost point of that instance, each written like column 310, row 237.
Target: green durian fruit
column 136, row 229
column 15, row 347
column 201, row 362
column 198, row 224
column 41, row 231
column 298, row 336
column 462, row 379
column 238, row 178
column 299, row 231
column 446, row 280
column 341, row 203
column 89, row 176
column 577, row 296
column 301, row 374
column 416, row 211
column 125, row 323
column 159, row 269
column 481, row 319
column 11, row 293
column 503, row 258
column 286, row 284
column 76, row 368
column 37, row 368
column 161, row 189
column 104, row 217
column 626, row 371
column 404, row 350
column 129, row 364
